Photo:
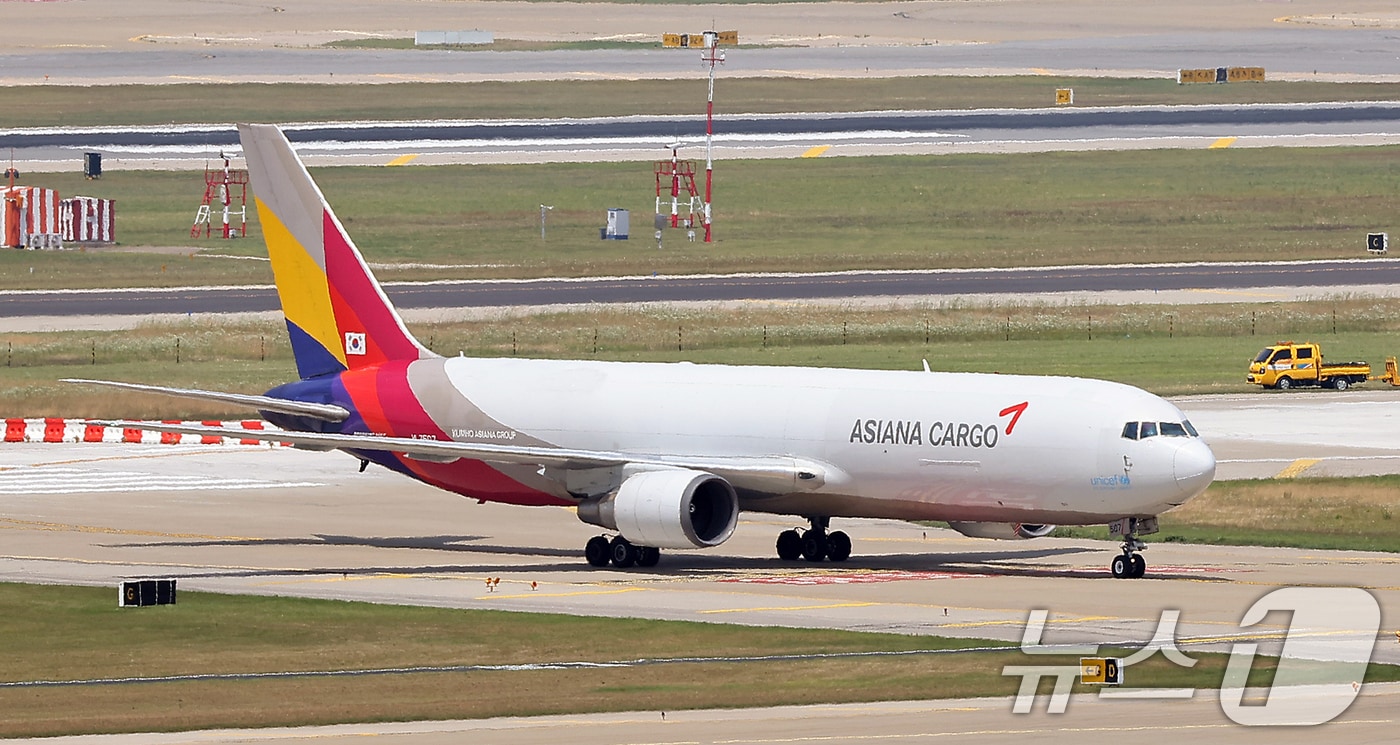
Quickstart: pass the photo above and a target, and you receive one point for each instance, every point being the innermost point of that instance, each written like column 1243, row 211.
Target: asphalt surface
column 276, row 521
column 258, row 520
column 742, row 135
column 1010, row 283
column 1372, row 114
column 1295, row 52
column 1371, row 719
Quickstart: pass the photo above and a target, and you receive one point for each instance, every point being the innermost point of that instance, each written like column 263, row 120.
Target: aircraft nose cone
column 1194, row 468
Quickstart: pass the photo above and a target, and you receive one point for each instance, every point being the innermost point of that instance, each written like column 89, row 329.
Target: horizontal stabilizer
column 773, row 474
column 326, row 412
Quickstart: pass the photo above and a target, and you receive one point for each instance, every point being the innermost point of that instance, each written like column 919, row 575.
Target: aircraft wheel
column 814, row 546
column 648, row 556
column 624, row 554
column 1121, row 566
column 838, row 546
column 789, row 545
column 598, row 551
column 1138, row 568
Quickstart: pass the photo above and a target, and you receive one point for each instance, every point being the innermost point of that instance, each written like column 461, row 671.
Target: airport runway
column 1372, row 719
column 309, row 524
column 1366, row 116
column 1295, row 52
column 48, row 307
column 737, row 135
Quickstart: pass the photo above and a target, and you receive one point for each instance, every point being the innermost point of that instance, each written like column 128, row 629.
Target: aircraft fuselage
column 911, row 445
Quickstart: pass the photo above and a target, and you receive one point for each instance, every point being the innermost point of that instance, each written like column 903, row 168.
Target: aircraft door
column 1115, row 457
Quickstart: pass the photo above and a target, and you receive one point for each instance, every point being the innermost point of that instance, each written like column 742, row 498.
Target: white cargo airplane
column 667, row 455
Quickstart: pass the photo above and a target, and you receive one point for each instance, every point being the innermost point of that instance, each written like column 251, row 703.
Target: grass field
column 837, row 213
column 1164, row 349
column 48, row 106
column 62, row 633
column 1359, row 514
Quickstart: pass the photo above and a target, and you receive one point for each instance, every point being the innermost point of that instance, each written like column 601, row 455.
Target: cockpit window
column 1144, row 430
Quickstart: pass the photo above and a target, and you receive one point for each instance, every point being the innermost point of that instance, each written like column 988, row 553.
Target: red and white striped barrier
column 27, row 211
column 82, row 430
column 88, row 220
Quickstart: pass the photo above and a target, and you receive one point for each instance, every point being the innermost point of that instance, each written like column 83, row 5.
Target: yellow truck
column 1288, row 365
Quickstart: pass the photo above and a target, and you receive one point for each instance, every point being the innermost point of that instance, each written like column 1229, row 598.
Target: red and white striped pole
column 714, row 57
column 675, row 185
column 226, row 194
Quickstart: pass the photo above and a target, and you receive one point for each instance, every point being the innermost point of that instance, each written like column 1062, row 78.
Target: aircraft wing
column 774, row 474
column 327, row 412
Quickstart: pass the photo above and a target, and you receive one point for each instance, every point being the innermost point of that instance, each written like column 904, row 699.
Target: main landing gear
column 1130, row 565
column 620, row 552
column 815, row 543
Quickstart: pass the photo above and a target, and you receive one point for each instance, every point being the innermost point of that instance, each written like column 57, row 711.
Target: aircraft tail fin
column 337, row 315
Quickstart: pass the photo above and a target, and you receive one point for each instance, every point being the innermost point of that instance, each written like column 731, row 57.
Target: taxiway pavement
column 283, row 522
column 1371, row 719
column 277, row 521
column 167, row 41
column 1128, row 283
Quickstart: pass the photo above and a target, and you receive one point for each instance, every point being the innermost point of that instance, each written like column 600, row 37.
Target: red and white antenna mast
column 712, row 56
column 710, row 41
column 219, row 189
column 674, row 177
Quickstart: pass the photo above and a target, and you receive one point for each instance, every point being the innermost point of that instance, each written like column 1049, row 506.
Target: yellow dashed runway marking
column 343, row 578
column 494, row 596
column 402, row 160
column 1022, row 622
column 7, row 523
column 1296, row 468
column 1222, row 143
column 790, row 607
column 816, row 152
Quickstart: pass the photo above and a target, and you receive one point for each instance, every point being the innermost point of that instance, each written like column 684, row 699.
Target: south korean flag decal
column 354, row 343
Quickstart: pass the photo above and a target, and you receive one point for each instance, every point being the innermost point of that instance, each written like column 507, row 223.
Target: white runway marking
column 66, row 480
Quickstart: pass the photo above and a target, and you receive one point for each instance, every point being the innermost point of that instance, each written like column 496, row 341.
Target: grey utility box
column 618, row 225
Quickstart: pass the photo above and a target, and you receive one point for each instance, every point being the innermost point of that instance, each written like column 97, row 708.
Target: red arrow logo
column 1015, row 412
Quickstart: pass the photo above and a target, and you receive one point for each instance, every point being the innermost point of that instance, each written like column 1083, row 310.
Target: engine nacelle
column 671, row 508
column 1002, row 531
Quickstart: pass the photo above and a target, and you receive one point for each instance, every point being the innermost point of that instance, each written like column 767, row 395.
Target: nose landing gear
column 815, row 543
column 1130, row 565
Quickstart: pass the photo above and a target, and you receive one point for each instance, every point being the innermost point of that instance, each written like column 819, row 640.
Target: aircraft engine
column 672, row 508
column 1002, row 531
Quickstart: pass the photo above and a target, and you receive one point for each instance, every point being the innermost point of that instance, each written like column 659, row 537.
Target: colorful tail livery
column 337, row 314
column 668, row 455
